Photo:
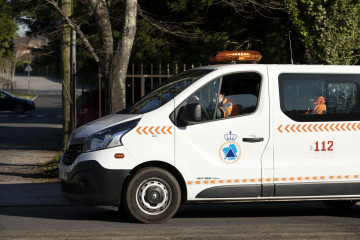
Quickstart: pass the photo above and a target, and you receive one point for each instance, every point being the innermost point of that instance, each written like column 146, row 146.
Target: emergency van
column 224, row 133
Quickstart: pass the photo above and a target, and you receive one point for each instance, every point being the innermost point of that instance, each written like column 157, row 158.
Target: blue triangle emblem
column 230, row 154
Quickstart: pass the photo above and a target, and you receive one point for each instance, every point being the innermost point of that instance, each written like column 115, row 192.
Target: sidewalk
column 31, row 194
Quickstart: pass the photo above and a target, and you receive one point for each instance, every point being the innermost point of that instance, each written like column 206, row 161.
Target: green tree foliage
column 328, row 28
column 178, row 31
column 214, row 26
column 8, row 28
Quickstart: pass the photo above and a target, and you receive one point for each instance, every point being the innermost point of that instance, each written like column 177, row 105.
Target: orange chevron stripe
column 144, row 130
column 309, row 127
column 304, row 128
column 298, row 128
column 286, row 128
column 252, row 180
column 138, row 130
column 162, row 130
column 151, row 129
column 279, row 128
column 292, row 128
column 315, row 128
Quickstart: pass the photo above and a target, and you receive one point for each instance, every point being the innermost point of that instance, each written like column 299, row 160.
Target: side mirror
column 191, row 113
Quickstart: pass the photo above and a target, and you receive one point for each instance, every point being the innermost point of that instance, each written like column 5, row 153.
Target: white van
column 224, row 133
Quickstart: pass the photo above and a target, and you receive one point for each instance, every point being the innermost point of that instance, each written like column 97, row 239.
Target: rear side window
column 320, row 97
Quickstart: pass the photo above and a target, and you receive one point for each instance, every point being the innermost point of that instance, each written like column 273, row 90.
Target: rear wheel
column 152, row 195
column 19, row 108
column 340, row 204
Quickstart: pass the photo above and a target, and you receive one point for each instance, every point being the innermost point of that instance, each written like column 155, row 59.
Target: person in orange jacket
column 226, row 107
column 319, row 106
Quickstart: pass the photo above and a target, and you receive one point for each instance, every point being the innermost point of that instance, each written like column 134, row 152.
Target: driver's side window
column 206, row 97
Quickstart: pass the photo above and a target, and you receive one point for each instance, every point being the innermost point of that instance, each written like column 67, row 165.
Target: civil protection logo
column 230, row 151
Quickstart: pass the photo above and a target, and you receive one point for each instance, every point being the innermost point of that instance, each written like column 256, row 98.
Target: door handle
column 253, row 140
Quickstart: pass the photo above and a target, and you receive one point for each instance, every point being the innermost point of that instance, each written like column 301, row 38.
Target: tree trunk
column 66, row 74
column 117, row 81
column 104, row 27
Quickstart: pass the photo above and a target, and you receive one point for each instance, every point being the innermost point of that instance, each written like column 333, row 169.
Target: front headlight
column 109, row 137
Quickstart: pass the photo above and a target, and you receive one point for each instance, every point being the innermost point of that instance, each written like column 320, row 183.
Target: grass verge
column 23, row 95
column 50, row 169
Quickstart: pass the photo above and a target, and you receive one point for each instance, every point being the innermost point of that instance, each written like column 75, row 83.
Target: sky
column 22, row 29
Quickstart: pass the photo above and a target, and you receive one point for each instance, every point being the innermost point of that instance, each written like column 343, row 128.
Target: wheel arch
column 163, row 165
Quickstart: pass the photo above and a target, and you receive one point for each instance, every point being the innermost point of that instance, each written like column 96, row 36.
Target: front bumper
column 90, row 183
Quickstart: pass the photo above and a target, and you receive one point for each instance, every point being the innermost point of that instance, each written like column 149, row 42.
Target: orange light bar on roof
column 235, row 56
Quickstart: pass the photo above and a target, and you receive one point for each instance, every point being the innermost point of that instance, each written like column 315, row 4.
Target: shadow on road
column 263, row 210
column 30, row 138
column 250, row 211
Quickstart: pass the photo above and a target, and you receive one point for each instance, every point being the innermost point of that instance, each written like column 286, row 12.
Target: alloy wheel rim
column 153, row 196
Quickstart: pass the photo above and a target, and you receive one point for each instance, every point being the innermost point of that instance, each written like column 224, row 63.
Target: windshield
column 166, row 91
column 7, row 93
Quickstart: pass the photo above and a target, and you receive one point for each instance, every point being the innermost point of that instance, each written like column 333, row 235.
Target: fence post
column 152, row 79
column 142, row 80
column 132, row 84
column 160, row 72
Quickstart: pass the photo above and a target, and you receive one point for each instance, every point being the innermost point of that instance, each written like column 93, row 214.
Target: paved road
column 230, row 221
column 33, row 138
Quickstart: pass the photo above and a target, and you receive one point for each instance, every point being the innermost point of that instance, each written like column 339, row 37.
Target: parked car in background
column 87, row 107
column 9, row 102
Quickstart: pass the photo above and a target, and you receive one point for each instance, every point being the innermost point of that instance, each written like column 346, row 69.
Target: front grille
column 72, row 153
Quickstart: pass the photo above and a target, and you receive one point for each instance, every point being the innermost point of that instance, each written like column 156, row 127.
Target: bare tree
column 66, row 73
column 113, row 62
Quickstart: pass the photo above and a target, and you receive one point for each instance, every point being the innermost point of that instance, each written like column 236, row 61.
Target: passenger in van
column 319, row 106
column 226, row 107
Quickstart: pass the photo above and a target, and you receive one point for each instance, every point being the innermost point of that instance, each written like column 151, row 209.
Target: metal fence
column 143, row 78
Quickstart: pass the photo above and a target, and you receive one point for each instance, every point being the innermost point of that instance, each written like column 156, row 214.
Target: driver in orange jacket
column 226, row 107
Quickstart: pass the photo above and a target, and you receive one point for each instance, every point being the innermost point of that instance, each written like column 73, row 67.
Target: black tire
column 153, row 195
column 340, row 204
column 19, row 108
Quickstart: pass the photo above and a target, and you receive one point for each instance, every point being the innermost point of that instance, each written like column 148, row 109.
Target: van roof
column 289, row 68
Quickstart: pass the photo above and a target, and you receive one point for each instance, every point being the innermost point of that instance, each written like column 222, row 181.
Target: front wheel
column 19, row 108
column 152, row 196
